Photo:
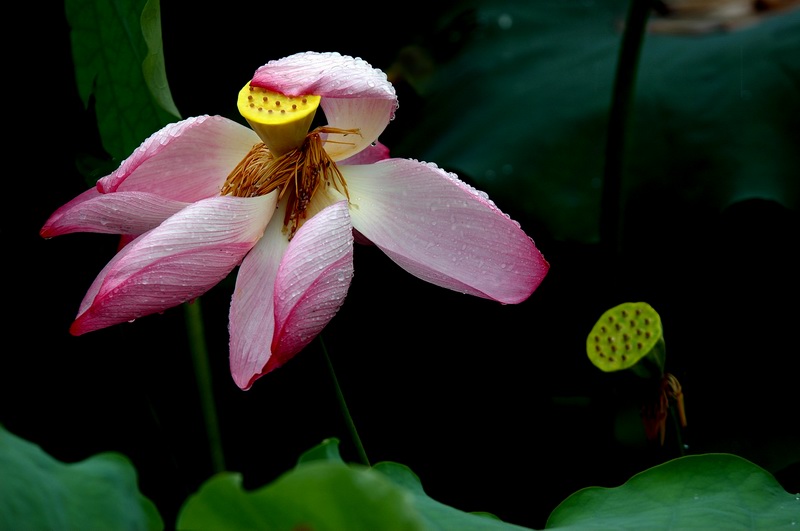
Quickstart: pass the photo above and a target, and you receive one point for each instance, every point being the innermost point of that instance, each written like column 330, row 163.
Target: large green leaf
column 120, row 69
column 516, row 95
column 324, row 493
column 319, row 495
column 39, row 492
column 436, row 514
column 710, row 491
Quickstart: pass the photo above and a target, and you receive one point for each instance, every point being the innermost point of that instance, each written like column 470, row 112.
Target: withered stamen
column 298, row 172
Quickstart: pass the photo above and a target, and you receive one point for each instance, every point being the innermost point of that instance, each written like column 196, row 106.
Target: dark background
column 496, row 408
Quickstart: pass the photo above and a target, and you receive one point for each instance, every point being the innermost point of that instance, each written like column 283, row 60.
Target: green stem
column 678, row 431
column 610, row 213
column 362, row 454
column 197, row 345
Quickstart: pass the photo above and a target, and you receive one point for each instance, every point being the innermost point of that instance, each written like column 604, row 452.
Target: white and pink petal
column 252, row 313
column 372, row 153
column 185, row 161
column 129, row 213
column 312, row 281
column 354, row 94
column 442, row 230
column 176, row 262
column 279, row 308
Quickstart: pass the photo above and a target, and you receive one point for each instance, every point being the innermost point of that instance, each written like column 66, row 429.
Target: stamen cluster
column 298, row 172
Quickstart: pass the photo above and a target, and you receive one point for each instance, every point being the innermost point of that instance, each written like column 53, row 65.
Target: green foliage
column 116, row 48
column 711, row 491
column 39, row 492
column 153, row 68
column 324, row 493
column 516, row 95
column 328, row 450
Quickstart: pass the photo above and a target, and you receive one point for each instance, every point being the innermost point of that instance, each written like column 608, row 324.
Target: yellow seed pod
column 281, row 121
column 623, row 335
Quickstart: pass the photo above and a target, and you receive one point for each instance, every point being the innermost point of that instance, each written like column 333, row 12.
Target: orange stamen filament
column 300, row 172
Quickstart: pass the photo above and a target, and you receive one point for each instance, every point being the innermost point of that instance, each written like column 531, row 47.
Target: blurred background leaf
column 517, row 95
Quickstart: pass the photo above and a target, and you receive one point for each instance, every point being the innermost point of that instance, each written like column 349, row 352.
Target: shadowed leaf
column 115, row 70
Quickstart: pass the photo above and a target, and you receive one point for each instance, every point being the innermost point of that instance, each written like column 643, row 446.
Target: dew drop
column 505, row 21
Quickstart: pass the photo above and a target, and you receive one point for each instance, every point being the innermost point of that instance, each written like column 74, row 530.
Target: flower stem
column 678, row 431
column 197, row 345
column 622, row 97
column 362, row 454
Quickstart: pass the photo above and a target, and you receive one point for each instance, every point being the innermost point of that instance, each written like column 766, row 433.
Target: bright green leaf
column 710, row 491
column 321, row 493
column 317, row 495
column 110, row 52
column 39, row 492
column 328, row 450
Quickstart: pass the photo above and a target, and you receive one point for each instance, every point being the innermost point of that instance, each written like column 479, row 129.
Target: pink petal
column 176, row 262
column 252, row 313
column 116, row 213
column 327, row 74
column 354, row 94
column 372, row 153
column 278, row 309
column 185, row 161
column 443, row 231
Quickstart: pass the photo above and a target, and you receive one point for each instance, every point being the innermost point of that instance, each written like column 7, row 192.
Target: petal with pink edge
column 252, row 314
column 176, row 262
column 130, row 213
column 372, row 153
column 443, row 231
column 309, row 287
column 310, row 292
column 185, row 161
column 354, row 94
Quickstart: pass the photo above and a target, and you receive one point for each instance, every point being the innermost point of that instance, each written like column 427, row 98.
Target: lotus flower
column 285, row 203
